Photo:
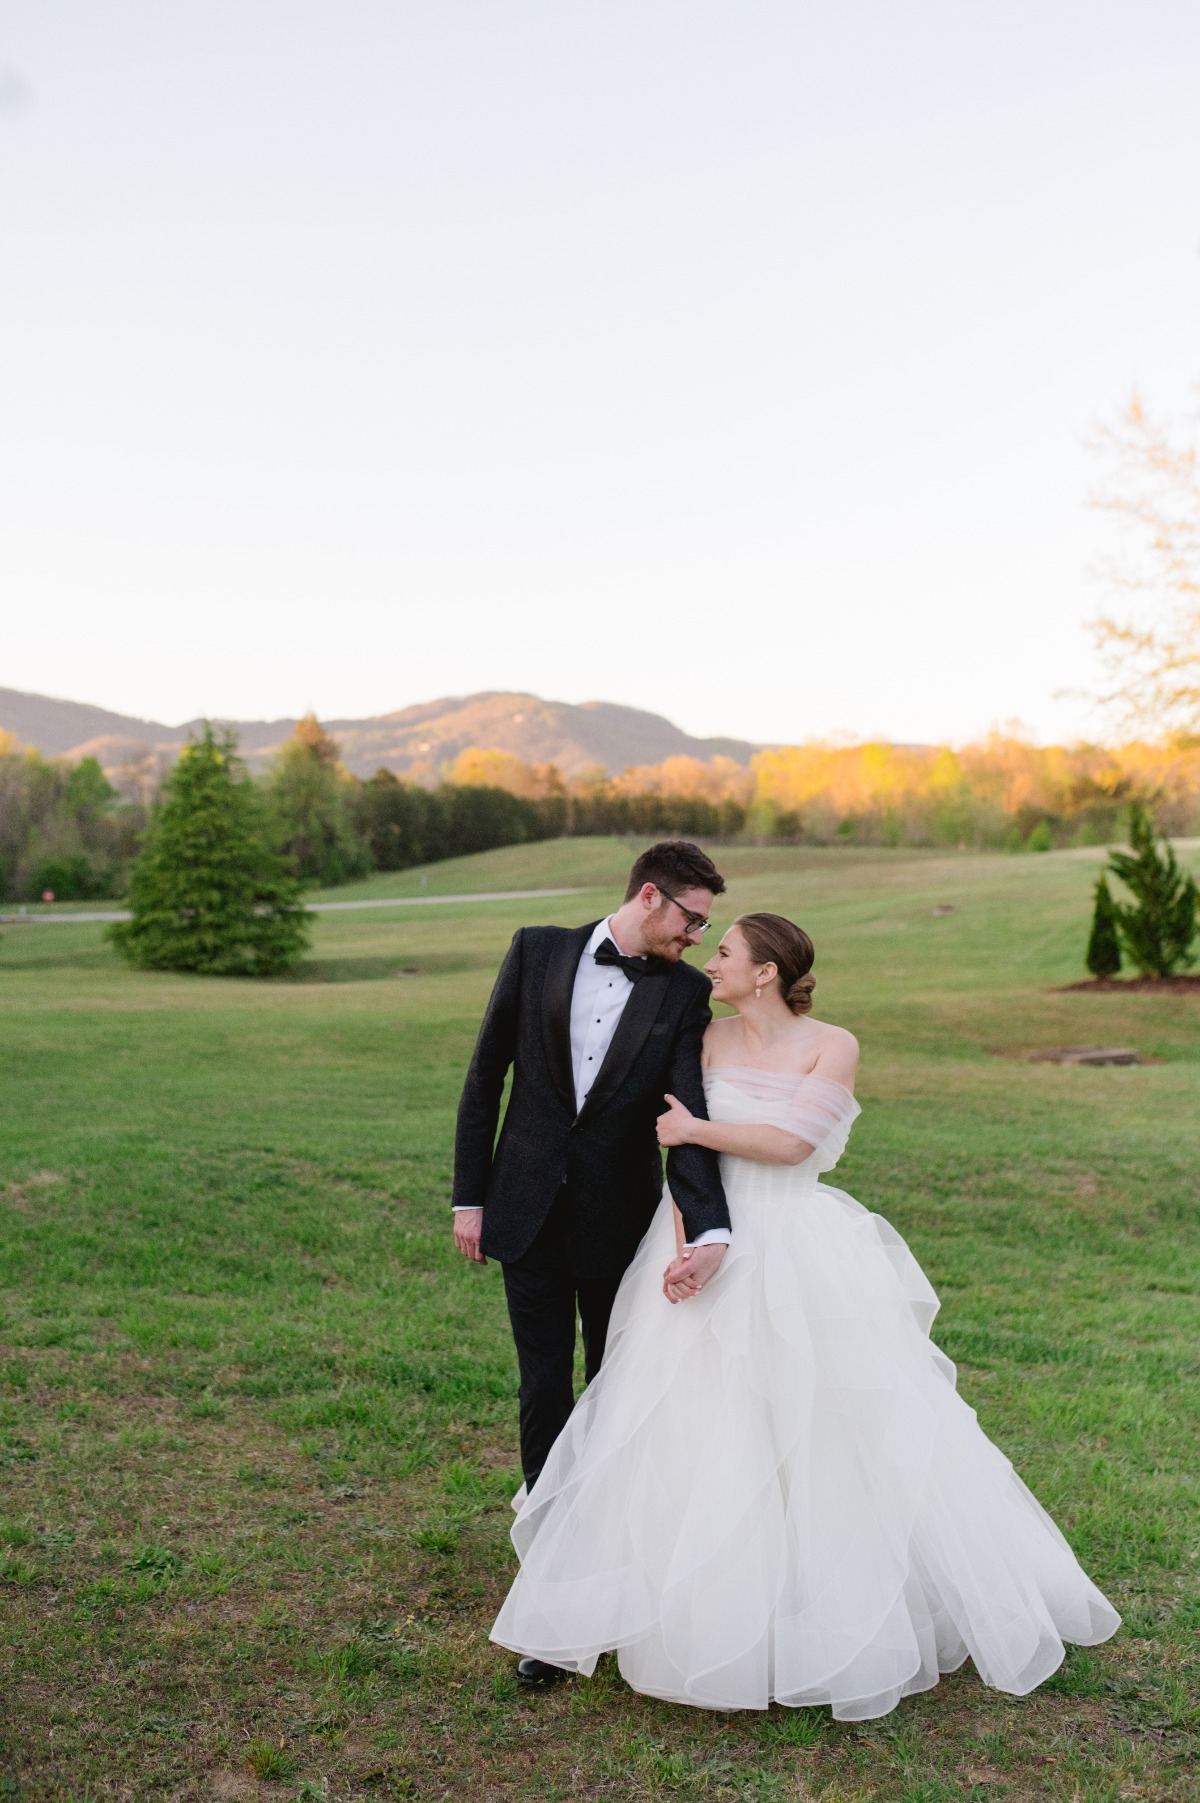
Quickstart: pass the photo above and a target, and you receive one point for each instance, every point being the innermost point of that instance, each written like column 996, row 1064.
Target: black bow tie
column 607, row 953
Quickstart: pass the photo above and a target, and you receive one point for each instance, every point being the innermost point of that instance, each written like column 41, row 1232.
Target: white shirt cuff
column 462, row 1207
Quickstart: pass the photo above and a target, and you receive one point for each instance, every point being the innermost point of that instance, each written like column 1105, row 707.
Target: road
column 43, row 917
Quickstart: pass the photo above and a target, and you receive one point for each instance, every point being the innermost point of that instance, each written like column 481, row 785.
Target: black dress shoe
column 535, row 1674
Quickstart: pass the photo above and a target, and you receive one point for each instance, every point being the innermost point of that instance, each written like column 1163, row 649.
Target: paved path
column 384, row 901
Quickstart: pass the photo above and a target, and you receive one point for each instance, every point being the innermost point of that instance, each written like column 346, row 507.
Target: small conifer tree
column 208, row 891
column 1104, row 946
column 1157, row 929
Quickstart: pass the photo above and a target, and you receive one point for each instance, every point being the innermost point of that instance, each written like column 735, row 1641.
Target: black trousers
column 543, row 1295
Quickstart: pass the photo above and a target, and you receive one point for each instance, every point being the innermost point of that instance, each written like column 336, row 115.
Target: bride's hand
column 675, row 1126
column 695, row 1267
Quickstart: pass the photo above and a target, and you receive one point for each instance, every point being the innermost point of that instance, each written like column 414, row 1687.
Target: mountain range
column 414, row 742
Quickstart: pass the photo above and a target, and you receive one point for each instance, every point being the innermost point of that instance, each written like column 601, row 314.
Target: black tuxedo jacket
column 606, row 1156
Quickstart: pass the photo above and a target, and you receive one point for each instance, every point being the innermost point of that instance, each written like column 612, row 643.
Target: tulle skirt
column 774, row 1492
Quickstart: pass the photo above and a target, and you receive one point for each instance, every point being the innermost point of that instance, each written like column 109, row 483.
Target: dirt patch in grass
column 29, row 1196
column 1185, row 985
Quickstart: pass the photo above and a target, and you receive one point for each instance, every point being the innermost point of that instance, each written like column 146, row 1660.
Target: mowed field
column 258, row 1421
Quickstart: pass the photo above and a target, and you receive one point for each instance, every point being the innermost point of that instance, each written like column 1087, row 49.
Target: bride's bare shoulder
column 832, row 1036
column 837, row 1052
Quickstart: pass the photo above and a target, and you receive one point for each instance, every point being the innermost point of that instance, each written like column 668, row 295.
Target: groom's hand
column 687, row 1275
column 468, row 1225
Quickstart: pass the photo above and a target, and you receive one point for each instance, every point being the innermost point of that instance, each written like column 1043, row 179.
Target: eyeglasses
column 696, row 923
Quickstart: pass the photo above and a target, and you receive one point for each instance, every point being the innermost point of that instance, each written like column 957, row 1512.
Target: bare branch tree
column 1152, row 650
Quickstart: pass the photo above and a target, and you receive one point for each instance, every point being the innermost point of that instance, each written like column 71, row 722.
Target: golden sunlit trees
column 1001, row 792
column 476, row 768
column 879, row 793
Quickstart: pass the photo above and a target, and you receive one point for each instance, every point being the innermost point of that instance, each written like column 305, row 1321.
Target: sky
column 733, row 361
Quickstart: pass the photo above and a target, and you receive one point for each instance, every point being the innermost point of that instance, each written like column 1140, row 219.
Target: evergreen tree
column 1104, row 946
column 1158, row 927
column 208, row 890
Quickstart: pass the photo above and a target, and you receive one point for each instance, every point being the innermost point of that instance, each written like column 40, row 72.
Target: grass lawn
column 258, row 1422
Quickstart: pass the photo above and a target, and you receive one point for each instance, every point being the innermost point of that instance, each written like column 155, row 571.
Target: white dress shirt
column 597, row 1004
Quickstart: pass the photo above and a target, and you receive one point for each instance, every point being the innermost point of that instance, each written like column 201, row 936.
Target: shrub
column 70, row 879
column 1158, row 927
column 1041, row 838
column 208, row 890
column 1104, row 946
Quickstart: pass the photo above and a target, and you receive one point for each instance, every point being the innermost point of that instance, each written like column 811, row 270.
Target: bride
column 775, row 1493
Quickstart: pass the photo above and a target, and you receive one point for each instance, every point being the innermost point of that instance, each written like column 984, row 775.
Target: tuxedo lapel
column 641, row 1012
column 556, row 1009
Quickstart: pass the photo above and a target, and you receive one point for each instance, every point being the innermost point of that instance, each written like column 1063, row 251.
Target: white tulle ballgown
column 773, row 1491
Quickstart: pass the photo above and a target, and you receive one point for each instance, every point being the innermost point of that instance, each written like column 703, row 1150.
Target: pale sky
column 734, row 361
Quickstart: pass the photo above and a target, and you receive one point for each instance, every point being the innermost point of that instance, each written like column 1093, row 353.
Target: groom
column 598, row 1022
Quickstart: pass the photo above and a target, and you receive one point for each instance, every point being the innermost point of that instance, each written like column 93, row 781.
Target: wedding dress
column 772, row 1491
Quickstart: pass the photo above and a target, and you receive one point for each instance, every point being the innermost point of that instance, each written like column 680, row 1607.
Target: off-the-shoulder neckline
column 792, row 1077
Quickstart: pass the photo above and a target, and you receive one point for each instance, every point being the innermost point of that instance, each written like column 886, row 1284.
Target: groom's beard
column 662, row 939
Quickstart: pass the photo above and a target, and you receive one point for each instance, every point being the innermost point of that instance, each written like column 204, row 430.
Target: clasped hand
column 695, row 1266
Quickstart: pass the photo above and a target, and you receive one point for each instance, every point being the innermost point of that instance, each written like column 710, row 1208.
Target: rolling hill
column 414, row 741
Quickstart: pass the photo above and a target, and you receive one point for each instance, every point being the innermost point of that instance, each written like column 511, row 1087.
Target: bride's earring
column 757, row 993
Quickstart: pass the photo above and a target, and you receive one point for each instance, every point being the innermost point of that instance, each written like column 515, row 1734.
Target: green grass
column 257, row 1422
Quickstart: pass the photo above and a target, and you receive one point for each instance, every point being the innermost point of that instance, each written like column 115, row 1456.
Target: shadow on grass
column 313, row 970
column 14, row 956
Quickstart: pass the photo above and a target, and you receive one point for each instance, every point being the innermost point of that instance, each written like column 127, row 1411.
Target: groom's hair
column 675, row 865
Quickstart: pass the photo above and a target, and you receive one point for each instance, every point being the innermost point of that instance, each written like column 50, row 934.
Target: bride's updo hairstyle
column 774, row 940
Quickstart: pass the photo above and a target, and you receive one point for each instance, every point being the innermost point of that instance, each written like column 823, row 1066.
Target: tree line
column 1001, row 793
column 213, row 889
column 64, row 829
column 67, row 830
column 217, row 879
